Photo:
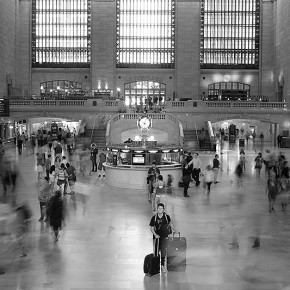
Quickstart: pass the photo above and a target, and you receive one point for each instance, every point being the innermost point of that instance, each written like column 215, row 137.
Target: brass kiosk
column 128, row 163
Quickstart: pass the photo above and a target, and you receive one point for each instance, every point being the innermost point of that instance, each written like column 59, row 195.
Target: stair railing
column 93, row 130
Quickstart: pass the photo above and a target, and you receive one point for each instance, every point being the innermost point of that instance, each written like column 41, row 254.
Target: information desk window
column 145, row 157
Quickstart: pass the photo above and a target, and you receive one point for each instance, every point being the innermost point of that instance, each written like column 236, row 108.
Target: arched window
column 228, row 91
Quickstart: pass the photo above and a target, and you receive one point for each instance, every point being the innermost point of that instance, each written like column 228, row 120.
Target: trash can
column 242, row 142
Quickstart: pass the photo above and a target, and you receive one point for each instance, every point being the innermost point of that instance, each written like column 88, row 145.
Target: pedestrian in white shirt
column 196, row 168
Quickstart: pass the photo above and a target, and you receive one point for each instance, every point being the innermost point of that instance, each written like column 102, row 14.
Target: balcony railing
column 170, row 106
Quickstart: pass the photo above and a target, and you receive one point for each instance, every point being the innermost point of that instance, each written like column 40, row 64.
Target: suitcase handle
column 178, row 235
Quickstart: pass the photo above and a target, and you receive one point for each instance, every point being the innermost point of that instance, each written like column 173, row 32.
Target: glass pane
column 145, row 33
column 230, row 34
column 61, row 33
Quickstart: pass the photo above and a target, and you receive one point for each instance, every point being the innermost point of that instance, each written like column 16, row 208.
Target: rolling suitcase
column 152, row 261
column 176, row 254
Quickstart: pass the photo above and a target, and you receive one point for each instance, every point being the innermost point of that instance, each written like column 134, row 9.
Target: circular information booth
column 128, row 162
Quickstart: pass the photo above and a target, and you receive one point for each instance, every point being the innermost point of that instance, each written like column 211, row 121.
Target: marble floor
column 104, row 246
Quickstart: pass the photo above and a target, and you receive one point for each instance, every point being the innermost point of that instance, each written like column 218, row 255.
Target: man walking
column 195, row 162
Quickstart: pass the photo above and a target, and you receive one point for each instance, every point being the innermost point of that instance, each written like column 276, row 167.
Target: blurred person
column 71, row 178
column 62, row 178
column 169, row 187
column 77, row 158
column 196, row 168
column 272, row 190
column 243, row 158
column 152, row 174
column 261, row 136
column 39, row 163
column 19, row 145
column 215, row 167
column 52, row 175
column 258, row 164
column 49, row 142
column 8, row 172
column 208, row 179
column 2, row 151
column 186, row 181
column 284, row 188
column 159, row 192
column 94, row 153
column 280, row 164
column 47, row 165
column 102, row 159
column 279, row 140
column 58, row 150
column 160, row 225
column 44, row 192
column 24, row 215
column 183, row 163
column 239, row 174
column 57, row 162
column 56, row 214
column 267, row 158
column 63, row 160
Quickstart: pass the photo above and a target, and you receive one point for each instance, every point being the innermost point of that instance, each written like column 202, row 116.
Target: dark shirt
column 160, row 224
column 152, row 172
column 94, row 153
column 216, row 163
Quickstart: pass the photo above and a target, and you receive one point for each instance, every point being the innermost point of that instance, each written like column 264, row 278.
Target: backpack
column 167, row 231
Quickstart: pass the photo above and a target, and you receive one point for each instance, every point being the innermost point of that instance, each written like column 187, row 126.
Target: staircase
column 99, row 136
column 190, row 140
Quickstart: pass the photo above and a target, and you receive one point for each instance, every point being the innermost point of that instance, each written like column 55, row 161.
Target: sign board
column 4, row 108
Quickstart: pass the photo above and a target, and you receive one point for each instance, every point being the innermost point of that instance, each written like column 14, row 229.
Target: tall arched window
column 61, row 33
column 145, row 33
column 230, row 34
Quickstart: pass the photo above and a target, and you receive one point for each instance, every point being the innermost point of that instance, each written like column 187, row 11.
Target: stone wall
column 7, row 44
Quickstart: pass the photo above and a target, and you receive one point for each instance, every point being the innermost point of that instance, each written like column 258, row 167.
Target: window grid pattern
column 61, row 33
column 145, row 33
column 230, row 32
column 142, row 92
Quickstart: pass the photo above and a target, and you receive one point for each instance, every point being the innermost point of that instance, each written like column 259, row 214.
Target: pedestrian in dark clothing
column 56, row 214
column 19, row 145
column 160, row 226
column 94, row 153
column 279, row 140
column 186, row 180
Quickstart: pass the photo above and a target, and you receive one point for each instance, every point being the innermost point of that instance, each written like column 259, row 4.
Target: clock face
column 144, row 123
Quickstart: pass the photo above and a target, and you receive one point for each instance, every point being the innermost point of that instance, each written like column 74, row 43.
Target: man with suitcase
column 161, row 226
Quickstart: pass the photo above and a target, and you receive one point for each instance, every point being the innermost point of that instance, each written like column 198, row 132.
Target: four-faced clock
column 144, row 123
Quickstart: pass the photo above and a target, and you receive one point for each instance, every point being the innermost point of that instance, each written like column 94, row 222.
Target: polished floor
column 103, row 245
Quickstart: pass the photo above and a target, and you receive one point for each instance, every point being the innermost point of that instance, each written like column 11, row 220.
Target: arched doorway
column 144, row 94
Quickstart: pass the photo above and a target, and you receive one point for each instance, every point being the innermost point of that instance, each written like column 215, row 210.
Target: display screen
column 138, row 159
